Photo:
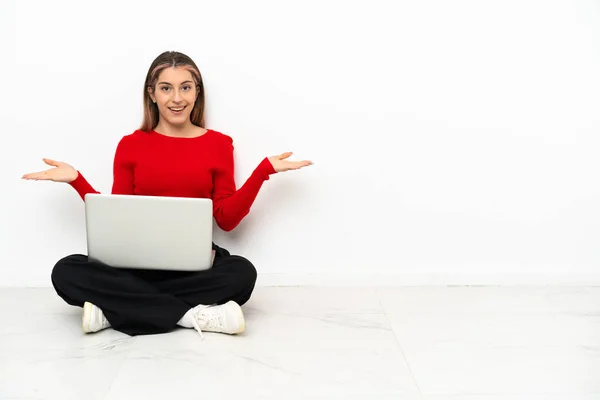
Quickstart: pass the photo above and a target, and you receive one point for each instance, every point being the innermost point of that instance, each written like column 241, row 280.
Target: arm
column 82, row 186
column 230, row 206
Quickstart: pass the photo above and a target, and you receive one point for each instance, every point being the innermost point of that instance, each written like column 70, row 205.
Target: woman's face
column 175, row 95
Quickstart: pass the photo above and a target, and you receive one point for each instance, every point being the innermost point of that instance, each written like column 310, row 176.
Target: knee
column 63, row 269
column 246, row 270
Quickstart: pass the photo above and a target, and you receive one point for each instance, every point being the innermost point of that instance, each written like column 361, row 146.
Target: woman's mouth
column 176, row 110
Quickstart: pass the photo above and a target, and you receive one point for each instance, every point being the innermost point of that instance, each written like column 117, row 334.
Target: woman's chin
column 178, row 121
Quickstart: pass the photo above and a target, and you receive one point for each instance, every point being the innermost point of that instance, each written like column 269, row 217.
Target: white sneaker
column 93, row 319
column 226, row 318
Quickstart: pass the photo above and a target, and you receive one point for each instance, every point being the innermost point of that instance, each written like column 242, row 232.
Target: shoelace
column 210, row 318
column 196, row 316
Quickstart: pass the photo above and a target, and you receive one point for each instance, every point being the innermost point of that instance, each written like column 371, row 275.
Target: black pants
column 139, row 302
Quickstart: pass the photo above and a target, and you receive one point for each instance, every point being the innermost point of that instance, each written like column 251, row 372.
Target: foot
column 93, row 319
column 226, row 318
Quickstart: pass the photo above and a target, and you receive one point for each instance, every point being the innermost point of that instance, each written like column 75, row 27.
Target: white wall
column 453, row 141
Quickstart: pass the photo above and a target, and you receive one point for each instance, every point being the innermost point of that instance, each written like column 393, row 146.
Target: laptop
column 149, row 232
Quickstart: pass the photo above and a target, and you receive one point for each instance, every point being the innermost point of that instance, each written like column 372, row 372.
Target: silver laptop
column 149, row 232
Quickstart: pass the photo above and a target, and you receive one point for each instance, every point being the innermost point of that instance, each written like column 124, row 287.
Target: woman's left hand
column 280, row 163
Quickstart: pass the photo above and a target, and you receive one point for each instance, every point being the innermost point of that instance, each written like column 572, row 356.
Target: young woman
column 172, row 154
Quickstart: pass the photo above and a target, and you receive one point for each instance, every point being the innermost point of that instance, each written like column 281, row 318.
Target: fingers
column 280, row 165
column 36, row 176
column 51, row 162
column 297, row 164
column 42, row 175
column 301, row 164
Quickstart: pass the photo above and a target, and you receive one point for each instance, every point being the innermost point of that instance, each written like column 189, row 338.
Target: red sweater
column 152, row 164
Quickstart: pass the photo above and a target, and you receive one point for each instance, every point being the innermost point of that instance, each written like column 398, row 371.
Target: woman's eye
column 164, row 88
column 186, row 87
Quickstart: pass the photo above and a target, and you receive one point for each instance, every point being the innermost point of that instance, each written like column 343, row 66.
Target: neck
column 184, row 130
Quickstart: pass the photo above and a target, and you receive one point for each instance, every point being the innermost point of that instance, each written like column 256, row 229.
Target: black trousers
column 140, row 302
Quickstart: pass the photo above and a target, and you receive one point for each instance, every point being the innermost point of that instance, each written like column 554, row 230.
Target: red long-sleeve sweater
column 152, row 164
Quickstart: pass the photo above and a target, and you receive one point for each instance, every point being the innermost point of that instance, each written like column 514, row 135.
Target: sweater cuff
column 265, row 168
column 81, row 185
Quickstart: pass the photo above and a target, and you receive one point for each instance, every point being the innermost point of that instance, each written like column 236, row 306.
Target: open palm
column 280, row 163
column 62, row 172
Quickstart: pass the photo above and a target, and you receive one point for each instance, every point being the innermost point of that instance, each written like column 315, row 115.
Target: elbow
column 226, row 226
column 228, row 222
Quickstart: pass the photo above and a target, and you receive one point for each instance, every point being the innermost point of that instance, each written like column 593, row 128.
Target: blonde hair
column 166, row 60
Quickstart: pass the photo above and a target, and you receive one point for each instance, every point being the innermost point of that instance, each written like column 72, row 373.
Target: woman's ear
column 151, row 93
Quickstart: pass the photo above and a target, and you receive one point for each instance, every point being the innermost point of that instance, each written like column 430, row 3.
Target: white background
column 453, row 141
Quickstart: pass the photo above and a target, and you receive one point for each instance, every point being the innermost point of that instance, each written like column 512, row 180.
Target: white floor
column 480, row 343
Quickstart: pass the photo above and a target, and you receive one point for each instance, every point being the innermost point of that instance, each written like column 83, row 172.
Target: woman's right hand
column 62, row 172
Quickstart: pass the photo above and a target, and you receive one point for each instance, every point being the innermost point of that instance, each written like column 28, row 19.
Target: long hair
column 166, row 60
